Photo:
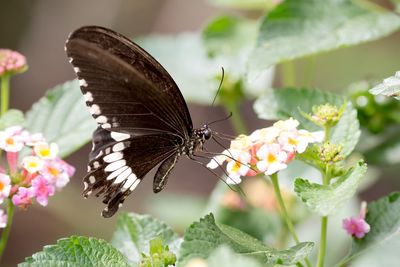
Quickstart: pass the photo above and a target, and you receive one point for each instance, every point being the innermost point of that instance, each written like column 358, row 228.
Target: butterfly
column 143, row 120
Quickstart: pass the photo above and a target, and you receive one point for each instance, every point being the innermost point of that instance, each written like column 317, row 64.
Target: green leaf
column 134, row 233
column 328, row 199
column 228, row 35
column 246, row 4
column 389, row 87
column 289, row 102
column 300, row 28
column 203, row 237
column 384, row 218
column 11, row 118
column 77, row 251
column 224, row 256
column 61, row 115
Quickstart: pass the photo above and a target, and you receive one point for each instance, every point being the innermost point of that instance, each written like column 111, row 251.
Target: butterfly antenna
column 224, row 119
column 238, row 189
column 219, row 87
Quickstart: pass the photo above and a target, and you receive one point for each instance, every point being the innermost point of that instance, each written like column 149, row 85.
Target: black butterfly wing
column 115, row 72
column 127, row 92
column 119, row 161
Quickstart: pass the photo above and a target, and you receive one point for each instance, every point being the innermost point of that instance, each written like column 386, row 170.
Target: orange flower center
column 53, row 171
column 271, row 158
column 292, row 141
column 2, row 186
column 236, row 167
column 10, row 141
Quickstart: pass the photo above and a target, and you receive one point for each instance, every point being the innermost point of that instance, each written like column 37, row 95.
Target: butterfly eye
column 207, row 134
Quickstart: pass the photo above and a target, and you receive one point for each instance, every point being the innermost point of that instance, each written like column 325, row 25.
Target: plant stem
column 324, row 220
column 275, row 183
column 289, row 77
column 5, row 92
column 237, row 120
column 6, row 232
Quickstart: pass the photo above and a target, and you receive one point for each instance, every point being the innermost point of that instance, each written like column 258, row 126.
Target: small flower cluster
column 37, row 176
column 11, row 62
column 357, row 226
column 266, row 150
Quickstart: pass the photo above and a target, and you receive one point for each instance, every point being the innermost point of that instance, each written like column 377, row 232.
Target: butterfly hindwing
column 118, row 162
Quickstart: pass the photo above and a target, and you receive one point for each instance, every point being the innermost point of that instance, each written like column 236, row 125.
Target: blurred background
column 39, row 28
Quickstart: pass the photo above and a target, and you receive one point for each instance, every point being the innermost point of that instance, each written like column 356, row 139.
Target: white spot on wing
column 123, row 176
column 115, row 173
column 115, row 165
column 96, row 164
column 113, row 157
column 71, row 59
column 118, row 147
column 106, row 126
column 82, row 83
column 88, row 97
column 129, row 181
column 135, row 184
column 92, row 179
column 85, row 185
column 101, row 119
column 94, row 109
column 76, row 69
column 119, row 136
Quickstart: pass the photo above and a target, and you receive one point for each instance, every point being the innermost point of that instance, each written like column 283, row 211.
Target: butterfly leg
column 161, row 177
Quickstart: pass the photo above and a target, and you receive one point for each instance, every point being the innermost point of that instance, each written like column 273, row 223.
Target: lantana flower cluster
column 266, row 150
column 33, row 170
column 11, row 61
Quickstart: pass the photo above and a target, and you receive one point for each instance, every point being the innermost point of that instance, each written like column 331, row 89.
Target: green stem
column 285, row 215
column 6, row 232
column 324, row 220
column 289, row 76
column 5, row 93
column 237, row 120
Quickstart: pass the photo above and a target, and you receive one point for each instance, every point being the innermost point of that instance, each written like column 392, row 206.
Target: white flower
column 238, row 166
column 11, row 140
column 46, row 151
column 272, row 159
column 286, row 125
column 218, row 160
column 265, row 135
column 5, row 186
column 32, row 164
column 33, row 139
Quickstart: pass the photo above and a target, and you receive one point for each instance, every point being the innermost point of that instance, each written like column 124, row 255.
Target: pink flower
column 357, row 226
column 23, row 197
column 3, row 219
column 11, row 139
column 42, row 190
column 11, row 61
column 57, row 172
column 5, row 186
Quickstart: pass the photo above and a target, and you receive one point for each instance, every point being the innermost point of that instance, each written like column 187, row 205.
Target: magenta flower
column 42, row 190
column 357, row 226
column 11, row 61
column 3, row 219
column 23, row 197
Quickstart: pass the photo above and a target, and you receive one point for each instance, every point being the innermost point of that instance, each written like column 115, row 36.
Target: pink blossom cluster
column 38, row 174
column 266, row 150
column 11, row 61
column 357, row 226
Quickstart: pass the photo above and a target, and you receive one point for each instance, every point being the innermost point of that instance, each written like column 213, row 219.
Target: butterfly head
column 205, row 132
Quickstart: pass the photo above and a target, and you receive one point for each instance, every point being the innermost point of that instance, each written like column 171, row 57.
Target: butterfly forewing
column 142, row 116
